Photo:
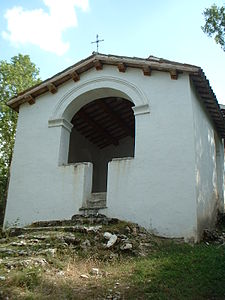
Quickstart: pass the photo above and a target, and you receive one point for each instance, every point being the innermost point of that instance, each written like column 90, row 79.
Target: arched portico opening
column 118, row 91
column 102, row 130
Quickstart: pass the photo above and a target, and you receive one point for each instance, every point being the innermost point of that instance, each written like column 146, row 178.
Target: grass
column 171, row 270
column 181, row 272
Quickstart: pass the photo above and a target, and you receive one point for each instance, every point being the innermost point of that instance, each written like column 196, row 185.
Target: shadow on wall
column 208, row 170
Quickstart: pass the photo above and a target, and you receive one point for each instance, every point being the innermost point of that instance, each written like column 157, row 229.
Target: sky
column 56, row 34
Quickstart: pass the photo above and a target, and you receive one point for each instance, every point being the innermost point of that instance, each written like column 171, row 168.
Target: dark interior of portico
column 102, row 130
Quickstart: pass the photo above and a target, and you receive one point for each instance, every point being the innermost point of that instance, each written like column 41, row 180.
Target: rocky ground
column 217, row 235
column 44, row 245
column 93, row 237
column 98, row 235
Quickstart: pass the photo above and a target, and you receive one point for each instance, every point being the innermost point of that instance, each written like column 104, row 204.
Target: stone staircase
column 96, row 202
column 78, row 223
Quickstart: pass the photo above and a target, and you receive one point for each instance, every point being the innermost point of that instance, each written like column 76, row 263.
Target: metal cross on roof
column 97, row 41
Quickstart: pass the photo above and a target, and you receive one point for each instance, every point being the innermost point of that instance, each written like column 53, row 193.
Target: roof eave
column 209, row 100
column 147, row 65
column 90, row 62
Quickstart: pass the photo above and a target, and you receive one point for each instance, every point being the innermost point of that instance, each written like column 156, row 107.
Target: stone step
column 25, row 230
column 95, row 202
column 90, row 211
column 98, row 196
column 72, row 229
column 78, row 223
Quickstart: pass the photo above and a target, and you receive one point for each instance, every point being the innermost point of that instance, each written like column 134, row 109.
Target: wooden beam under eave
column 196, row 78
column 97, row 139
column 30, row 99
column 200, row 84
column 16, row 107
column 147, row 71
column 98, row 65
column 173, row 74
column 211, row 106
column 202, row 90
column 52, row 88
column 122, row 67
column 97, row 127
column 206, row 96
column 103, row 145
column 75, row 76
column 113, row 115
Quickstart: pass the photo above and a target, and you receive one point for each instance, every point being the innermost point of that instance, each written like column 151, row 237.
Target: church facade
column 137, row 139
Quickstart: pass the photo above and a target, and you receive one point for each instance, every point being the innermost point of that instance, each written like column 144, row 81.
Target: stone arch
column 90, row 90
column 85, row 92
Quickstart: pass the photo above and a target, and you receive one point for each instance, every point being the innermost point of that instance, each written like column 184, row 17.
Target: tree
column 215, row 24
column 15, row 76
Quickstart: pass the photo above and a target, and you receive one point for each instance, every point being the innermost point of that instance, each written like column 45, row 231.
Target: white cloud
column 43, row 29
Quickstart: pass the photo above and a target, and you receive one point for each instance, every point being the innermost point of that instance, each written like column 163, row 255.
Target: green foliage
column 28, row 278
column 215, row 24
column 15, row 76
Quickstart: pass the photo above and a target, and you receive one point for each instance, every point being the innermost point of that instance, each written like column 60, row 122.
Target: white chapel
column 137, row 139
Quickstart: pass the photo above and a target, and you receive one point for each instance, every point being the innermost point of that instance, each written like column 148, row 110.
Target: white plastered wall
column 155, row 189
column 209, row 161
column 39, row 188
